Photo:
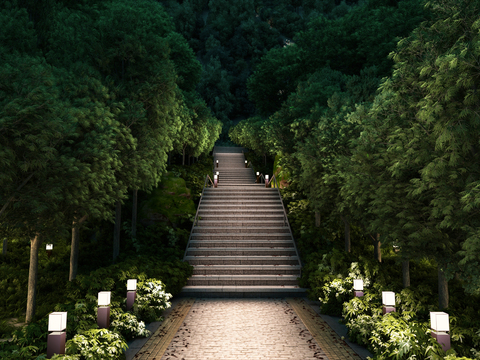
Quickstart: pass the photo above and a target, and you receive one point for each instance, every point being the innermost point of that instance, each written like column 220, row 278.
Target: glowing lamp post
column 103, row 315
column 49, row 248
column 217, row 163
column 440, row 324
column 215, row 181
column 131, row 293
column 358, row 288
column 218, row 176
column 246, row 163
column 388, row 301
column 266, row 180
column 258, row 178
column 57, row 323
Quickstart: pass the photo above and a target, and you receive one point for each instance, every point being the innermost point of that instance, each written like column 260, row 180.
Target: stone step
column 241, row 223
column 239, row 229
column 243, row 291
column 249, row 197
column 242, row 280
column 242, row 260
column 227, row 217
column 245, row 236
column 239, row 201
column 241, row 243
column 241, row 207
column 212, row 213
column 228, row 251
column 247, row 270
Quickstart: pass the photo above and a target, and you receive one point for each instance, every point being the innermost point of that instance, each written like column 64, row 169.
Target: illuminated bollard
column 57, row 323
column 440, row 324
column 215, row 181
column 49, row 248
column 358, row 288
column 103, row 314
column 246, row 163
column 131, row 293
column 388, row 301
column 258, row 178
column 218, row 176
column 217, row 163
column 266, row 180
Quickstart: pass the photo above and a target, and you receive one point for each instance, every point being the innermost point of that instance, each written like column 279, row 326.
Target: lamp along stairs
column 241, row 245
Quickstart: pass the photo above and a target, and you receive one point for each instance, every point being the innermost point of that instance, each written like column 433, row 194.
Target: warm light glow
column 439, row 321
column 388, row 298
column 266, row 177
column 217, row 161
column 258, row 174
column 57, row 321
column 217, row 173
column 358, row 285
column 131, row 284
column 215, row 177
column 104, row 298
column 49, row 247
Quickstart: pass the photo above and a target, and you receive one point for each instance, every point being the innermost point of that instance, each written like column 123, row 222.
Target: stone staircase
column 241, row 245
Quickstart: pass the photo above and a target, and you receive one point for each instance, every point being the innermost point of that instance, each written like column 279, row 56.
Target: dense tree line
column 376, row 116
column 94, row 95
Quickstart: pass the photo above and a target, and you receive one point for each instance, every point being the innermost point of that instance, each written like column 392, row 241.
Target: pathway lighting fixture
column 266, row 180
column 49, row 248
column 215, row 181
column 217, row 163
column 358, row 287
column 218, row 175
column 440, row 325
column 258, row 178
column 131, row 293
column 57, row 323
column 103, row 315
column 388, row 301
column 246, row 163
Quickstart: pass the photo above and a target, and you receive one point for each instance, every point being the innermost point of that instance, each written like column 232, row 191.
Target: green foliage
column 96, row 344
column 128, row 325
column 151, row 300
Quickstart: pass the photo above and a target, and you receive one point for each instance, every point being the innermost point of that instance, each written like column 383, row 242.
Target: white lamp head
column 104, row 298
column 57, row 321
column 215, row 177
column 439, row 321
column 217, row 161
column 131, row 284
column 388, row 298
column 358, row 284
column 266, row 177
column 49, row 247
column 217, row 173
column 245, row 161
column 258, row 173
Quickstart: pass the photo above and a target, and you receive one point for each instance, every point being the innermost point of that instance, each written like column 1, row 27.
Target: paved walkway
column 242, row 328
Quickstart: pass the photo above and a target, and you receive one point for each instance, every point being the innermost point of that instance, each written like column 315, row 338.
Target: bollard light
column 358, row 287
column 388, row 301
column 258, row 178
column 103, row 312
column 215, row 181
column 57, row 323
column 218, row 175
column 217, row 163
column 266, row 180
column 246, row 163
column 440, row 324
column 49, row 248
column 131, row 293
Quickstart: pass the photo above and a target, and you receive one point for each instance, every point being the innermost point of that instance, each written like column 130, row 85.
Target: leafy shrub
column 65, row 357
column 127, row 324
column 96, row 344
column 151, row 300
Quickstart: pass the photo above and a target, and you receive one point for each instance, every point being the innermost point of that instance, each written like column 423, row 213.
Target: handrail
column 207, row 177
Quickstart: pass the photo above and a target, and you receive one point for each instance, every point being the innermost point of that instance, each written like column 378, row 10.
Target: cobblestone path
column 250, row 329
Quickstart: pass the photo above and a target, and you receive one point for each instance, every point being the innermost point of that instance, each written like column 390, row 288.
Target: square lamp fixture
column 104, row 298
column 258, row 173
column 217, row 173
column 266, row 177
column 388, row 298
column 439, row 321
column 358, row 285
column 57, row 321
column 215, row 177
column 49, row 247
column 131, row 284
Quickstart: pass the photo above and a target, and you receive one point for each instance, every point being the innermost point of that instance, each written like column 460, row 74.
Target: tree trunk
column 406, row 273
column 74, row 248
column 317, row 219
column 442, row 290
column 377, row 251
column 116, row 232
column 183, row 159
column 4, row 249
column 347, row 235
column 134, row 213
column 265, row 159
column 32, row 277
